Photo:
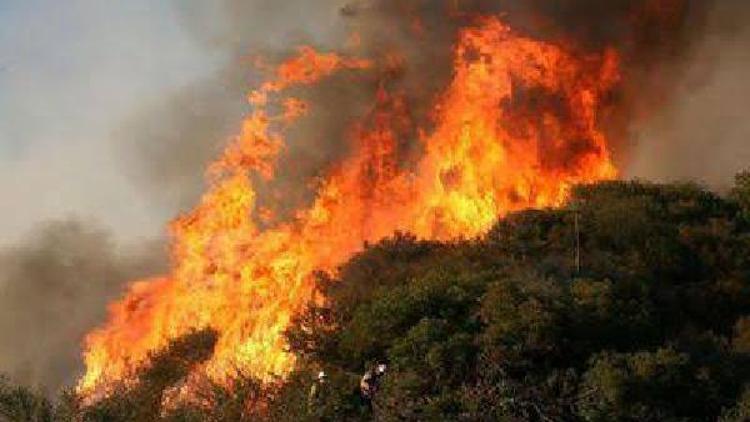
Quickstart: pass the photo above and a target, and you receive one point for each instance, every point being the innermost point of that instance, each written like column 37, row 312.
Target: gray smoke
column 54, row 286
column 680, row 112
column 702, row 133
column 167, row 145
column 663, row 42
column 56, row 281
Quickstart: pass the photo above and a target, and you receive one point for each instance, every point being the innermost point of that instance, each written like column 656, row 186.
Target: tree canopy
column 654, row 324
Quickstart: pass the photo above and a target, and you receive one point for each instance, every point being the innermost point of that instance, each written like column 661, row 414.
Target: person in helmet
column 316, row 392
column 370, row 382
column 380, row 370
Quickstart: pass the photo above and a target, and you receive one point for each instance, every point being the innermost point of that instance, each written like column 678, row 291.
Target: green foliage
column 741, row 193
column 141, row 399
column 506, row 328
column 655, row 325
column 524, row 319
column 740, row 412
column 242, row 398
column 638, row 386
column 19, row 404
column 741, row 340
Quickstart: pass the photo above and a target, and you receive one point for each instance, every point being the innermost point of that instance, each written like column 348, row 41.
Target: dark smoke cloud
column 678, row 114
column 702, row 132
column 167, row 145
column 54, row 287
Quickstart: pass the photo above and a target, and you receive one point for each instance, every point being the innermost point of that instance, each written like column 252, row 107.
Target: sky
column 97, row 100
column 703, row 133
column 109, row 112
column 70, row 72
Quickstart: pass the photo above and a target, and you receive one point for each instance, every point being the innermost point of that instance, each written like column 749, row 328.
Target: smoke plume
column 673, row 55
column 701, row 133
column 166, row 146
column 54, row 286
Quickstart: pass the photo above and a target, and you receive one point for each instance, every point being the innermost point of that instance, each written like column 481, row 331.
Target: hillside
column 630, row 303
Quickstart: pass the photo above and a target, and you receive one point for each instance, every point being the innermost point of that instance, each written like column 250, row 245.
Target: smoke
column 663, row 44
column 70, row 71
column 702, row 132
column 54, row 286
column 167, row 145
column 56, row 281
column 679, row 111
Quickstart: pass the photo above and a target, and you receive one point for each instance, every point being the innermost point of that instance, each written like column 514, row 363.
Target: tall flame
column 491, row 149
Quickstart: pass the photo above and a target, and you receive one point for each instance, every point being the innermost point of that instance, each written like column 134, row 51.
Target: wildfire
column 515, row 128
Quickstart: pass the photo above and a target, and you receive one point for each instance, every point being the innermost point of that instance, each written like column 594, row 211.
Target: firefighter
column 314, row 397
column 370, row 382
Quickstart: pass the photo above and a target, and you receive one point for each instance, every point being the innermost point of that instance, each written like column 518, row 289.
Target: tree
column 20, row 404
column 653, row 327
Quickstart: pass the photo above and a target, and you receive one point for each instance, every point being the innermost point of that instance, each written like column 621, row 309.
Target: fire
column 515, row 128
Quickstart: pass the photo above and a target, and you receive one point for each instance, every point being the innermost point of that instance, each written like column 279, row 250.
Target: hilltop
column 632, row 302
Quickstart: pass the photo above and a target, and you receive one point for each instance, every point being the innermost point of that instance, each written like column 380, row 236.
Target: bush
column 654, row 326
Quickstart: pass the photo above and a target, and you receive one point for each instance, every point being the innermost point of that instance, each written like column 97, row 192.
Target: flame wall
column 516, row 125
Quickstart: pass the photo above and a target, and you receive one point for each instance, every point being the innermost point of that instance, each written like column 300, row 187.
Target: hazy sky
column 73, row 73
column 704, row 133
column 109, row 110
column 70, row 71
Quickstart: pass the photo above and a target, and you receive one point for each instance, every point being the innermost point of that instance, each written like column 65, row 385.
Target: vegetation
column 654, row 325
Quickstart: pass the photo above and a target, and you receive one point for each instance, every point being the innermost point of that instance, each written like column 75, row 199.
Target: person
column 370, row 382
column 316, row 391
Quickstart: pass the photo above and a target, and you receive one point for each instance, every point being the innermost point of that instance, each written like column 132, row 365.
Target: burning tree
column 515, row 127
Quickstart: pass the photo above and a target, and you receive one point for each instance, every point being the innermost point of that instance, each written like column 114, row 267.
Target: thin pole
column 578, row 243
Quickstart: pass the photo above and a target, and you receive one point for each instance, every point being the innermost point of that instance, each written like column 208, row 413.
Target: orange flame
column 492, row 150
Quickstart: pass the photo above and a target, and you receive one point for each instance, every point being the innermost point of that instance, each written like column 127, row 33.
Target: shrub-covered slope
column 631, row 303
